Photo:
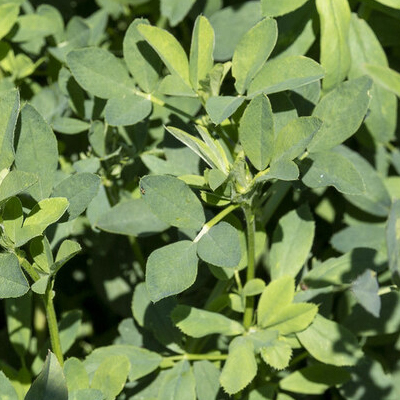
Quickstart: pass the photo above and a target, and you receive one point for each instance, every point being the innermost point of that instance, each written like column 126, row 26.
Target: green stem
column 250, row 230
column 196, row 357
column 215, row 220
column 138, row 254
column 50, row 311
column 52, row 324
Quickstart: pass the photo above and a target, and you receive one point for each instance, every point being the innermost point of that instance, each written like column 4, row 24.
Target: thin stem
column 195, row 357
column 250, row 231
column 138, row 254
column 52, row 325
column 215, row 220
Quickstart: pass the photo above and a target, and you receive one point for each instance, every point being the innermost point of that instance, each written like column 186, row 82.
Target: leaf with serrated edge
column 277, row 355
column 234, row 379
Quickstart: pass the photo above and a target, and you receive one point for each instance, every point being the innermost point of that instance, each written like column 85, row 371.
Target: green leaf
column 8, row 17
column 50, row 383
column 219, row 108
column 275, row 310
column 256, row 131
column 375, row 199
column 335, row 53
column 393, row 241
column 142, row 361
column 127, row 110
column 69, row 126
column 291, row 243
column 69, row 327
column 133, row 218
column 276, row 296
column 277, row 355
column 285, row 170
column 178, row 383
column 385, row 77
column 156, row 317
column 368, row 235
column 252, row 51
column 75, row 374
column 339, row 270
column 41, row 253
column 79, row 189
column 292, row 140
column 7, row 390
column 91, row 68
column 201, row 52
column 331, row 343
column 142, row 61
column 315, row 379
column 366, row 49
column 86, row 394
column 173, row 85
column 67, row 250
column 241, row 353
column 171, row 269
column 330, row 168
column 197, row 323
column 207, row 379
column 390, row 3
column 171, row 200
column 362, row 322
column 365, row 288
column 168, row 48
column 9, row 109
column 110, row 376
column 19, row 320
column 16, row 182
column 350, row 98
column 77, row 35
column 36, row 151
column 253, row 287
column 285, row 73
column 230, row 24
column 273, row 8
column 12, row 218
column 46, row 212
column 12, row 280
column 175, row 10
column 220, row 246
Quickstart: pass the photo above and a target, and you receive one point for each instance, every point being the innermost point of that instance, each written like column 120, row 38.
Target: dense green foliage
column 199, row 199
